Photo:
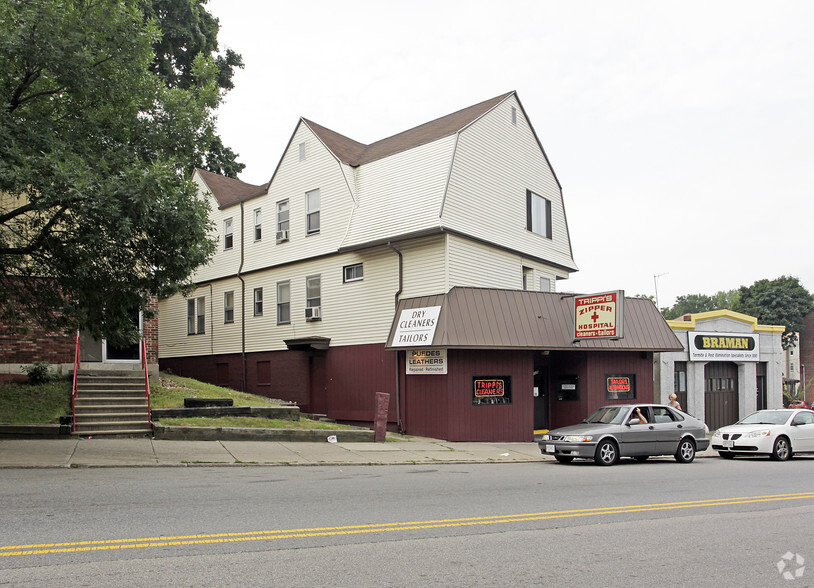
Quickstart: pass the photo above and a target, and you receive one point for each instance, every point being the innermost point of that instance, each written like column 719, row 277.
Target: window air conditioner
column 313, row 314
column 282, row 236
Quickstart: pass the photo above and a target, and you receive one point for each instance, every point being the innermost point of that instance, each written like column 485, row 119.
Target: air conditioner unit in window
column 282, row 236
column 313, row 314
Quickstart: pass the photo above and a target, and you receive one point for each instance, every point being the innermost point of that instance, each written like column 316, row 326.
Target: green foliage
column 25, row 404
column 694, row 303
column 172, row 390
column 38, row 373
column 97, row 208
column 783, row 301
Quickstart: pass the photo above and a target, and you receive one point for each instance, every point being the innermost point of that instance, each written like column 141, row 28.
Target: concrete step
column 132, row 432
column 110, row 417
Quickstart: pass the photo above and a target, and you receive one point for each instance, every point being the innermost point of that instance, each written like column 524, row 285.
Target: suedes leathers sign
column 723, row 346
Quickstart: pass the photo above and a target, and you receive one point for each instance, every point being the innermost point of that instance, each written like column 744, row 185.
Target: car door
column 667, row 430
column 636, row 438
column 802, row 431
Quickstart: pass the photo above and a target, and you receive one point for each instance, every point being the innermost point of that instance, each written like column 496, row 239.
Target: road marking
column 145, row 542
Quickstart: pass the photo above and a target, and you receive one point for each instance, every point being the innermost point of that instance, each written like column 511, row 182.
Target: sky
column 682, row 132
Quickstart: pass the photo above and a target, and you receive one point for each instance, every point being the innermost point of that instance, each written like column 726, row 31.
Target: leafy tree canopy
column 783, row 301
column 97, row 211
column 693, row 303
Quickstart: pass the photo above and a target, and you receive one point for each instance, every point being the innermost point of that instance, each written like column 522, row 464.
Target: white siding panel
column 495, row 163
column 223, row 263
column 402, row 193
column 424, row 267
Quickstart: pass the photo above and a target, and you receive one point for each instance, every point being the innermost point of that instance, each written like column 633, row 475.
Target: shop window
column 620, row 386
column 567, row 388
column 491, row 390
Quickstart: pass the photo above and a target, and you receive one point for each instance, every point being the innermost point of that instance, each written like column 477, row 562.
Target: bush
column 38, row 373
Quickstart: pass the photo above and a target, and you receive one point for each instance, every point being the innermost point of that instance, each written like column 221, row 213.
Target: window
column 196, row 316
column 353, row 273
column 545, row 285
column 228, row 237
column 228, row 307
column 538, row 214
column 312, row 291
column 283, row 303
column 514, row 115
column 302, row 151
column 258, row 302
column 258, row 225
column 312, row 211
column 680, row 377
column 282, row 218
column 528, row 276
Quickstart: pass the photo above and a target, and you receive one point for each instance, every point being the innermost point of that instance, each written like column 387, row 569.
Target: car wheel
column 607, row 453
column 782, row 449
column 564, row 458
column 641, row 458
column 726, row 454
column 686, row 450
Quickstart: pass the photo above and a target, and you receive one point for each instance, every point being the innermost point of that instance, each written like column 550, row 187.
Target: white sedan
column 779, row 433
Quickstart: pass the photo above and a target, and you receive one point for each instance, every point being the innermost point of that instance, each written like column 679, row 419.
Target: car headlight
column 546, row 437
column 717, row 433
column 577, row 438
column 760, row 433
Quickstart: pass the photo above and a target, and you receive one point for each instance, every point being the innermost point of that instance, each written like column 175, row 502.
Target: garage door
column 720, row 394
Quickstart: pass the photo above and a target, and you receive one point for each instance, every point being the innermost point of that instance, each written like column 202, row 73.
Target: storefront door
column 720, row 394
column 541, row 399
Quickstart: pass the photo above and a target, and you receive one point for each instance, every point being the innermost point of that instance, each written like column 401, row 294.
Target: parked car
column 779, row 433
column 798, row 404
column 628, row 430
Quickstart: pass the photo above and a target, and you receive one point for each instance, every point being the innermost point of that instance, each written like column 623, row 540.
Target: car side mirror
column 634, row 422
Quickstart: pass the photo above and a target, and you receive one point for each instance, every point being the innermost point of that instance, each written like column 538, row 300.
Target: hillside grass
column 172, row 390
column 22, row 403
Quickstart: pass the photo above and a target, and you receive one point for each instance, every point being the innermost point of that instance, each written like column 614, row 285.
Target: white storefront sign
column 416, row 327
column 704, row 346
column 426, row 361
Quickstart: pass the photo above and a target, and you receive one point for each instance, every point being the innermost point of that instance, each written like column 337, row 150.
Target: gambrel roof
column 229, row 191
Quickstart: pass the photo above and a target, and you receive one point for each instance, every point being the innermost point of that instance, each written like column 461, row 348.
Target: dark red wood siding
column 353, row 376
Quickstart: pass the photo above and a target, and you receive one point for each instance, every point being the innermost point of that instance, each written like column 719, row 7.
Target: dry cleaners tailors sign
column 416, row 327
column 599, row 316
column 723, row 346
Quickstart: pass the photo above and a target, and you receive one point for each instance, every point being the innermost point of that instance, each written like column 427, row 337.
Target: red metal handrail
column 146, row 382
column 76, row 365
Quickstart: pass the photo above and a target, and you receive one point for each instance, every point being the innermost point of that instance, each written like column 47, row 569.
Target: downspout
column 398, row 294
column 242, row 299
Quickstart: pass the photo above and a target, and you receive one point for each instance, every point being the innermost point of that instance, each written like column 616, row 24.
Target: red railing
column 76, row 365
column 146, row 382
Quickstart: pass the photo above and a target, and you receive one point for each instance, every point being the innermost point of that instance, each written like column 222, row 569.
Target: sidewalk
column 101, row 452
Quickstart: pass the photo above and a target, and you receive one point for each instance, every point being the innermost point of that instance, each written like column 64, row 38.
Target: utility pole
column 656, row 286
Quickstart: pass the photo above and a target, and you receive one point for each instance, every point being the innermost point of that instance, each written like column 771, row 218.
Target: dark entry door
column 761, row 386
column 130, row 352
column 540, row 399
column 720, row 394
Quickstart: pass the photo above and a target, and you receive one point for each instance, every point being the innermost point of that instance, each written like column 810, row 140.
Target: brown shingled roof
column 355, row 153
column 229, row 191
column 487, row 318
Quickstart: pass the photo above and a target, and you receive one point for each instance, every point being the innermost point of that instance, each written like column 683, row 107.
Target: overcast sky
column 682, row 132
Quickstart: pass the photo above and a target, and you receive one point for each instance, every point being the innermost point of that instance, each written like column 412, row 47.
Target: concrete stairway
column 110, row 403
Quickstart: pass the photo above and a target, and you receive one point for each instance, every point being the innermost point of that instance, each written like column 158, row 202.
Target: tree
column 188, row 32
column 693, row 303
column 97, row 208
column 783, row 301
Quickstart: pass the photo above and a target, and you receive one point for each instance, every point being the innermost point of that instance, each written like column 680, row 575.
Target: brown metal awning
column 307, row 343
column 487, row 318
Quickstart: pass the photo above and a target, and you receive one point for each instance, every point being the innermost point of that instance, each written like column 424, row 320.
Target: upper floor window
column 258, row 302
column 282, row 219
column 196, row 316
column 538, row 214
column 229, row 307
column 528, row 276
column 514, row 115
column 228, row 235
column 302, row 151
column 312, row 211
column 312, row 291
column 545, row 285
column 283, row 302
column 258, row 225
column 353, row 273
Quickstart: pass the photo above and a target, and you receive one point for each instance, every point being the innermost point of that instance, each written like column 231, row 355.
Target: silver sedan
column 628, row 430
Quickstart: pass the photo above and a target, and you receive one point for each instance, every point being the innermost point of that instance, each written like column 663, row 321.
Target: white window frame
column 229, row 307
column 283, row 225
column 284, row 304
column 258, row 302
column 228, row 234
column 312, row 208
column 196, row 316
column 258, row 224
column 538, row 214
column 545, row 284
column 313, row 283
column 353, row 273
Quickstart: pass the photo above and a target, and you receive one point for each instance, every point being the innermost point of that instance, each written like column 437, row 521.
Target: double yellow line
column 111, row 544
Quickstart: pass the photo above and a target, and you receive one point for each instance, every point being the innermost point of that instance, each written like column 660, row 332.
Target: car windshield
column 607, row 415
column 766, row 417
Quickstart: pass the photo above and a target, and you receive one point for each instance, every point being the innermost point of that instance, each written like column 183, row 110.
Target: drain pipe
column 242, row 300
column 398, row 294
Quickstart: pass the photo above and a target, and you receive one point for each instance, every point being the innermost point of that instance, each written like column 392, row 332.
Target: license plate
column 549, row 449
column 729, row 443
